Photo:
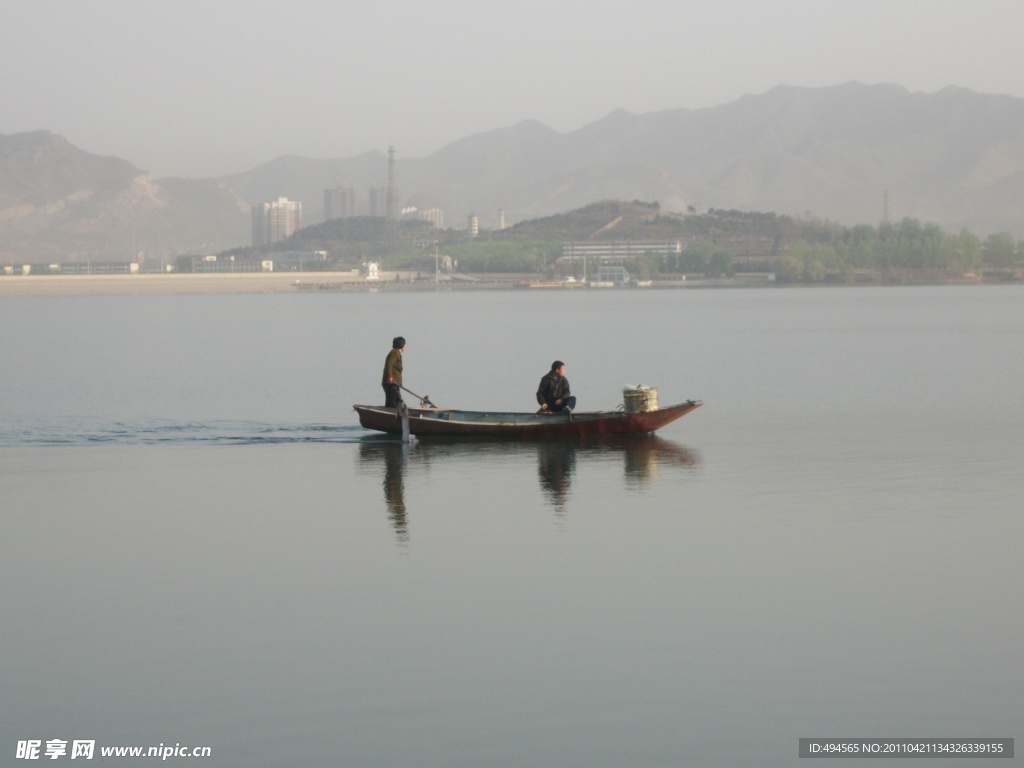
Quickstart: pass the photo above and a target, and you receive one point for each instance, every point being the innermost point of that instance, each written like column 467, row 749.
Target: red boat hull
column 523, row 426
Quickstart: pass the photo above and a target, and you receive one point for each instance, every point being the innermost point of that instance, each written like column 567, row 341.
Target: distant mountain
column 60, row 203
column 954, row 157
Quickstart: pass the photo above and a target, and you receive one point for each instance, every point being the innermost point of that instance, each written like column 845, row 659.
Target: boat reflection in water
column 643, row 457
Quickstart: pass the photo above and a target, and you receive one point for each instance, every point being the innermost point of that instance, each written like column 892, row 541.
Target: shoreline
column 328, row 282
column 244, row 283
column 162, row 284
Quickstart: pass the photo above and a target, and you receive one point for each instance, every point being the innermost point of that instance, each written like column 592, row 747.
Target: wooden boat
column 522, row 426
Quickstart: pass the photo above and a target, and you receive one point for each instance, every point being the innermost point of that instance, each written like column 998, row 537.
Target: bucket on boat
column 640, row 398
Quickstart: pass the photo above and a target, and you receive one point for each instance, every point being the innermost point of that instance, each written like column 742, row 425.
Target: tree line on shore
column 716, row 243
column 833, row 250
column 723, row 243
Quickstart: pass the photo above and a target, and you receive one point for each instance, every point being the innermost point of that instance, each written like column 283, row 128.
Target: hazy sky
column 209, row 87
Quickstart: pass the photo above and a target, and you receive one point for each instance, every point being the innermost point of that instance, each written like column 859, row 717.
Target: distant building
column 272, row 222
column 474, row 225
column 212, row 263
column 434, row 215
column 339, row 203
column 96, row 268
column 298, row 261
column 615, row 275
column 378, row 202
column 501, row 218
column 619, row 251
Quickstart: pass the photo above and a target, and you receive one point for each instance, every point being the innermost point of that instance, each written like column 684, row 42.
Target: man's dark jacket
column 552, row 387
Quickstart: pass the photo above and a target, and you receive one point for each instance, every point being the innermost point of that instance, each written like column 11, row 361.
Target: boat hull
column 522, row 426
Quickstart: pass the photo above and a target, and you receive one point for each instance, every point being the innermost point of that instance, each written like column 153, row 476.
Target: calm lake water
column 202, row 547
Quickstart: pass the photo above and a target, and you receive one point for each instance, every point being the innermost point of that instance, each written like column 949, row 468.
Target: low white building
column 604, row 252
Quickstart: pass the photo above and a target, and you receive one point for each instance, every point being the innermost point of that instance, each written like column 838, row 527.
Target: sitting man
column 553, row 392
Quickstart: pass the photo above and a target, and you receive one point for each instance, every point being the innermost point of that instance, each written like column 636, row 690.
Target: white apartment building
column 275, row 221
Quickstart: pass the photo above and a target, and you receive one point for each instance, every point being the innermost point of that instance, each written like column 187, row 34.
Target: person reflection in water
column 394, row 488
column 555, row 465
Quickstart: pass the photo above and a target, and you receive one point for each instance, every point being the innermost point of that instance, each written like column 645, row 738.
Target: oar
column 424, row 400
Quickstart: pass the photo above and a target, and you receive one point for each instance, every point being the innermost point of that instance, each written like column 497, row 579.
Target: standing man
column 553, row 392
column 392, row 381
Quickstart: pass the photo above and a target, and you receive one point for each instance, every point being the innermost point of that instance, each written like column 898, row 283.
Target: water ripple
column 76, row 433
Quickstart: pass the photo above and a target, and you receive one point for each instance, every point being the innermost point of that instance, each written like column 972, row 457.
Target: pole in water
column 403, row 413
